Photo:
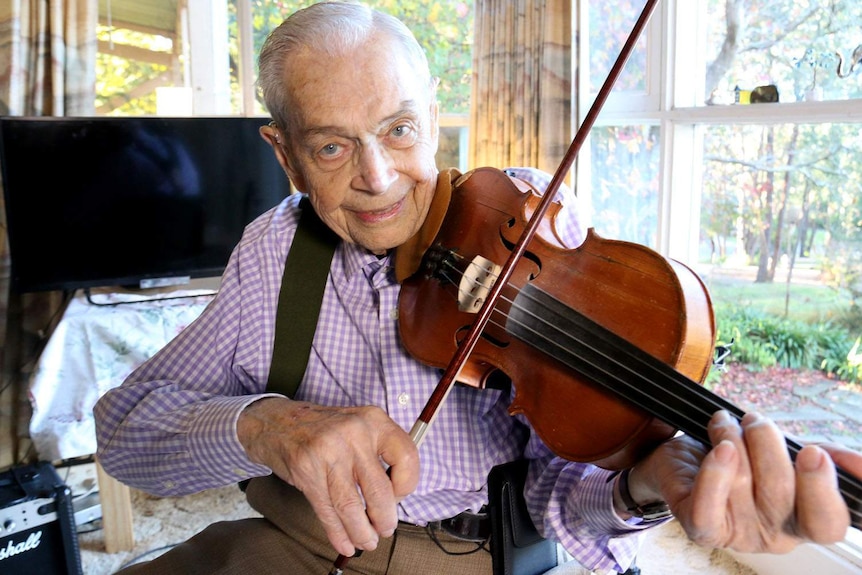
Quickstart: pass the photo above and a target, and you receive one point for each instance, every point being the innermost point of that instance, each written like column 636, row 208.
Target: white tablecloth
column 92, row 350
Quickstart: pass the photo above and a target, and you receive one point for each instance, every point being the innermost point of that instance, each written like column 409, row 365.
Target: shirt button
column 393, row 313
column 403, row 399
column 169, row 484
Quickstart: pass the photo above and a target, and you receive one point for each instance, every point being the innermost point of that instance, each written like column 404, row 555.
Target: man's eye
column 400, row 131
column 330, row 150
column 402, row 136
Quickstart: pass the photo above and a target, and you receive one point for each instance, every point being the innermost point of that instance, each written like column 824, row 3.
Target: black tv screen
column 108, row 201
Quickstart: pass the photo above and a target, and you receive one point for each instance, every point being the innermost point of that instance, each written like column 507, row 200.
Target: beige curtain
column 522, row 78
column 47, row 64
column 47, row 68
column 48, row 57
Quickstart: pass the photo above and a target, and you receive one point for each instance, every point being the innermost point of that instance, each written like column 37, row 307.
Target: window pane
column 771, row 191
column 809, row 49
column 452, row 150
column 624, row 175
column 781, row 244
column 444, row 28
column 610, row 26
column 132, row 70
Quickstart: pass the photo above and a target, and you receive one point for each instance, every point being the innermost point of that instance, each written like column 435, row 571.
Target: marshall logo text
column 33, row 541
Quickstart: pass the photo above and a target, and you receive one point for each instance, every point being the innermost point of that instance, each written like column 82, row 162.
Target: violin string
column 657, row 389
column 849, row 486
column 703, row 394
column 637, row 371
column 697, row 408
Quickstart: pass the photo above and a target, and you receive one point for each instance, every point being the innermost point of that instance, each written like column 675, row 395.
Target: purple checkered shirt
column 170, row 429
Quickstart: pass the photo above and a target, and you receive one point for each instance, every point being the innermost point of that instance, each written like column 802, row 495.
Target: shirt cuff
column 597, row 506
column 213, row 441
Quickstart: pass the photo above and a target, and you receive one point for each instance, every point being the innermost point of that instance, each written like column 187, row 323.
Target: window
column 692, row 156
column 141, row 65
column 146, row 64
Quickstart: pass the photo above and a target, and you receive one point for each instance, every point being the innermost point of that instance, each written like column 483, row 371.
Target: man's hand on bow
column 327, row 452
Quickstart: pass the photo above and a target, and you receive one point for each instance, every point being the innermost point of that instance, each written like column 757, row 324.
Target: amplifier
column 37, row 523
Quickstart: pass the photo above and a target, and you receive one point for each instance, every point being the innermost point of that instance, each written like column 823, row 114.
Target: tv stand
column 164, row 282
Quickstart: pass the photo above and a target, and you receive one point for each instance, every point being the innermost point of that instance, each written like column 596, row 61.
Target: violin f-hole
column 527, row 255
column 495, row 341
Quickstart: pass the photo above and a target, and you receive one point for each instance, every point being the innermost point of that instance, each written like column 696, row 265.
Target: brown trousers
column 289, row 540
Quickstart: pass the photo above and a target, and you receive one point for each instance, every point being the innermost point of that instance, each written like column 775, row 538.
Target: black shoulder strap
column 302, row 285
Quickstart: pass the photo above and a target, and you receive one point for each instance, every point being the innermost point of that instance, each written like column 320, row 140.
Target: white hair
column 332, row 28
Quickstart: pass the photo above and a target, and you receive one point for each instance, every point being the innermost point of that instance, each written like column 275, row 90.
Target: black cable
column 73, row 461
column 432, row 533
column 148, row 300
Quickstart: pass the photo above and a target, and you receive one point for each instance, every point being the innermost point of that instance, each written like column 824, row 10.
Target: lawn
column 806, row 299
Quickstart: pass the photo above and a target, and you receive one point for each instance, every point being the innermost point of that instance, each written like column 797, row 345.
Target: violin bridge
column 475, row 284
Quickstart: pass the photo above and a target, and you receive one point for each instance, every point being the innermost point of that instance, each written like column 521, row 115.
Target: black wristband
column 653, row 511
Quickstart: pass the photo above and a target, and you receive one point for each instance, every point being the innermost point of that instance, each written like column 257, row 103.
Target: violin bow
column 465, row 348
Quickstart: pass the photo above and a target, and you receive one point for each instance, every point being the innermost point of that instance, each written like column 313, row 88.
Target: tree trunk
column 782, row 207
column 734, row 16
column 766, row 272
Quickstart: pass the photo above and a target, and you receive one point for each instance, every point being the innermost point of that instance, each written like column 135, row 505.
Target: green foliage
column 445, row 30
column 625, row 198
column 118, row 77
column 764, row 340
column 443, row 27
column 610, row 24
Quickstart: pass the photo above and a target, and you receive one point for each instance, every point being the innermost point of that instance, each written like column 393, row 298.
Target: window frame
column 673, row 106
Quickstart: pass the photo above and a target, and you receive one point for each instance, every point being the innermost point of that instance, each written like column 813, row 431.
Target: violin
column 608, row 319
column 607, row 344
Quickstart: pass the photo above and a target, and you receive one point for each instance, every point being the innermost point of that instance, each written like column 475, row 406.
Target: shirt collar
column 355, row 258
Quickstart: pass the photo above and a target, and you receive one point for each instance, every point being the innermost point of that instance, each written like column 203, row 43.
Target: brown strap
column 302, row 285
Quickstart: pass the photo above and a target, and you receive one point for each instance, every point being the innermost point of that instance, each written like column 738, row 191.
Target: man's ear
column 274, row 137
column 435, row 119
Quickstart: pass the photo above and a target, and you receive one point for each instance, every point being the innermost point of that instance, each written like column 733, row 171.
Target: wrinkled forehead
column 371, row 81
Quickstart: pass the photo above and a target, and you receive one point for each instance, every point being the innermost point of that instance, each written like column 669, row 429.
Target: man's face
column 363, row 141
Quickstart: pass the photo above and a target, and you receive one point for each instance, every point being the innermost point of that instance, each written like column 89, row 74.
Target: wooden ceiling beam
column 138, row 54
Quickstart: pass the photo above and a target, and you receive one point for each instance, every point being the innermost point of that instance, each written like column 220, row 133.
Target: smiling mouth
column 380, row 215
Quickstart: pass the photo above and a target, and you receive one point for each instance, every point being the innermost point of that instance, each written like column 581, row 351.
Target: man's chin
column 381, row 239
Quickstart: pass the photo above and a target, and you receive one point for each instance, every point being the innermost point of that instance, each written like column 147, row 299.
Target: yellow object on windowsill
column 760, row 95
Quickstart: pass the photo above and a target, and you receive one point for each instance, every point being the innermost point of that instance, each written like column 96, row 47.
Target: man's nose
column 376, row 170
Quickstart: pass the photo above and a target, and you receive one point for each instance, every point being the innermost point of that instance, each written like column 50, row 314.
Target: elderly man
column 355, row 127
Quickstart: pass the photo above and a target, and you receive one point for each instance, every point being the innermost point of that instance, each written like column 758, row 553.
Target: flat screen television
column 132, row 202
